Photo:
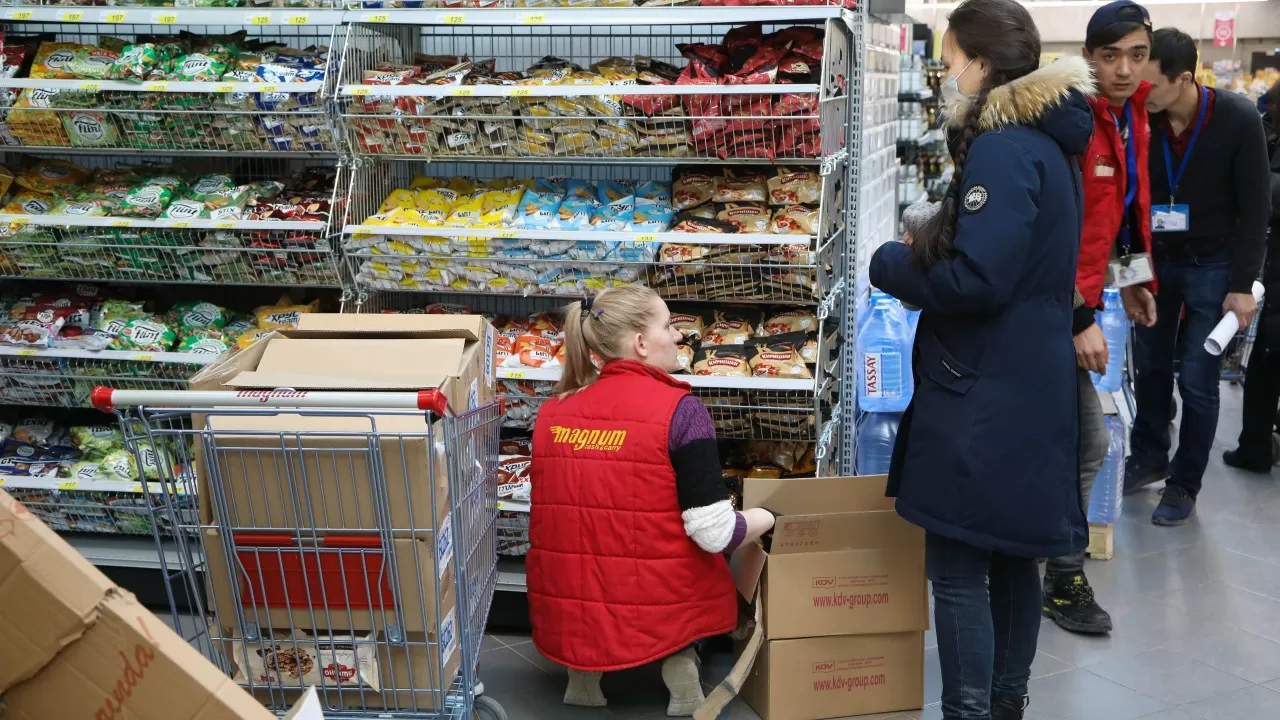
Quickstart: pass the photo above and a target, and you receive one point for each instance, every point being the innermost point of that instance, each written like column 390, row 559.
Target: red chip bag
column 715, row 60
column 741, row 42
column 796, row 104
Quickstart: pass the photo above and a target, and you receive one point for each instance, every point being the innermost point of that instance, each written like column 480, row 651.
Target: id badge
column 1130, row 270
column 1171, row 218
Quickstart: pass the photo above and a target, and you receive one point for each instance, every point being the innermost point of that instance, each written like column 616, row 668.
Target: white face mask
column 951, row 87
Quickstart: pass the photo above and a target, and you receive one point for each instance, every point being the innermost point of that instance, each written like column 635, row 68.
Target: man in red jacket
column 1114, row 250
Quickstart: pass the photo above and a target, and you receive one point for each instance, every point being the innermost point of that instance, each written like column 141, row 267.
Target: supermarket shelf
column 598, row 15
column 162, row 86
column 158, row 224
column 14, row 482
column 174, row 16
column 511, row 575
column 123, row 151
column 591, row 160
column 698, row 381
column 75, row 354
column 522, row 91
column 582, row 235
column 131, row 551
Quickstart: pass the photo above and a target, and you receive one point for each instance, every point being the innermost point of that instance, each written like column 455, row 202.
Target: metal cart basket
column 342, row 540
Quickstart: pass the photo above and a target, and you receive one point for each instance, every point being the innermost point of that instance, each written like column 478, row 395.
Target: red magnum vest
column 614, row 581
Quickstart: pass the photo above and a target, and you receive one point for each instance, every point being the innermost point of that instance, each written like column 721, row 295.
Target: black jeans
column 987, row 613
column 1094, row 442
column 1261, row 390
column 1199, row 284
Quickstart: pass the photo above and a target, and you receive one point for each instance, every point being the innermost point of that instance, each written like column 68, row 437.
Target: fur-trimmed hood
column 1053, row 99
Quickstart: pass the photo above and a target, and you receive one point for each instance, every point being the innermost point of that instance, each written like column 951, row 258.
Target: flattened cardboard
column 49, row 593
column 842, row 562
column 415, row 575
column 837, row 677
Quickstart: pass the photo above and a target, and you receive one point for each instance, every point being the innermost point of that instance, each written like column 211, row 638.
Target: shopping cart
column 342, row 540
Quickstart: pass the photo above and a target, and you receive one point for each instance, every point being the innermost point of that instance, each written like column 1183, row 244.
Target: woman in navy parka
column 985, row 459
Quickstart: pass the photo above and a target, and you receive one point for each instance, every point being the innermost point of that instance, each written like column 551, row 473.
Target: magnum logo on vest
column 586, row 439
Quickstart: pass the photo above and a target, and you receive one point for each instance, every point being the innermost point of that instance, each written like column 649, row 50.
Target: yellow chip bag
column 47, row 176
column 282, row 316
column 500, row 206
column 467, row 212
column 29, row 203
column 249, row 337
column 435, row 204
column 397, row 199
column 423, row 182
column 462, row 185
column 53, row 61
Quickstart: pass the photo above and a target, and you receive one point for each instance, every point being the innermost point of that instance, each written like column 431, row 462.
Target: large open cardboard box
column 76, row 646
column 845, row 601
column 288, row 470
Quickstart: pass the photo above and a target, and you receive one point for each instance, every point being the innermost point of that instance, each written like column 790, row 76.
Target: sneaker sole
column 1072, row 626
column 1131, row 489
column 1162, row 522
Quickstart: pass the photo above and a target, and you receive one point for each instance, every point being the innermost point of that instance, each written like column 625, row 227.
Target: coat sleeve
column 1253, row 198
column 993, row 235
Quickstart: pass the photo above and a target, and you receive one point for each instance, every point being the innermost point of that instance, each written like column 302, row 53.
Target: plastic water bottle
column 864, row 309
column 913, row 321
column 883, row 348
column 1115, row 327
column 1107, row 493
column 876, row 434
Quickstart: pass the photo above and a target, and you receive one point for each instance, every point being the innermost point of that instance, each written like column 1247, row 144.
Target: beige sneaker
column 584, row 689
column 680, row 674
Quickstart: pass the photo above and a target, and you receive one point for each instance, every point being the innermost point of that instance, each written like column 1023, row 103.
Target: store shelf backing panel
column 481, row 114
column 178, row 251
column 241, row 112
column 771, row 269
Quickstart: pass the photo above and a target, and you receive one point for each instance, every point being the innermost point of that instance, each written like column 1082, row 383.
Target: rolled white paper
column 1229, row 325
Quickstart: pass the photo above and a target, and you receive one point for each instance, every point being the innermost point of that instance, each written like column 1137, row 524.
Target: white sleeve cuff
column 711, row 526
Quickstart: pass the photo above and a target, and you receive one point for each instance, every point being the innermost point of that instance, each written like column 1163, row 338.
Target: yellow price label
column 113, row 17
column 164, row 19
column 225, row 224
column 462, row 92
column 20, row 15
column 143, row 358
column 181, row 224
column 267, row 88
column 361, row 235
column 456, row 19
column 136, row 487
column 156, row 86
column 1, row 482
column 93, row 86
column 516, row 375
column 121, row 223
column 379, row 18
column 521, row 92
column 27, row 352
column 70, row 16
column 535, row 19
column 224, row 88
column 297, row 19
column 646, row 238
column 360, row 91
column 68, row 485
column 505, row 234
column 256, row 19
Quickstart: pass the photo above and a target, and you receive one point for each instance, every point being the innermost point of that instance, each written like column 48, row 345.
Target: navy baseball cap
column 1125, row 11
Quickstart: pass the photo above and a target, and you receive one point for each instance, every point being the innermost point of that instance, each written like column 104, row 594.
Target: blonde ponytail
column 602, row 325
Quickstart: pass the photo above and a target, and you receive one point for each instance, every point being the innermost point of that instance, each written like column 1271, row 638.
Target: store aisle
column 1197, row 614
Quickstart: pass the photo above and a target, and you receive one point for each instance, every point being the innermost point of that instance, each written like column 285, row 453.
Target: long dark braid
column 1003, row 35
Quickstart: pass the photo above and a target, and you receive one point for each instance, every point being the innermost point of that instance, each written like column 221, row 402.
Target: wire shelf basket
column 48, row 379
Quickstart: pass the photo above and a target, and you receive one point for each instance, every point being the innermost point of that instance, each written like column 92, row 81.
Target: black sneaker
column 1176, row 505
column 1137, row 477
column 1009, row 709
column 1069, row 602
column 1250, row 462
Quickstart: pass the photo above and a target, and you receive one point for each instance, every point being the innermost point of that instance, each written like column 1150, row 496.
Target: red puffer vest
column 614, row 581
column 1104, row 191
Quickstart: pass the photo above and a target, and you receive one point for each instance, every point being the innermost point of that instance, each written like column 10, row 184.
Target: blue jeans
column 987, row 613
column 1199, row 284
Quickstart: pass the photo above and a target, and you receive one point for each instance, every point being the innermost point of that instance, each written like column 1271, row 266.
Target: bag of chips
column 53, row 61
column 145, row 334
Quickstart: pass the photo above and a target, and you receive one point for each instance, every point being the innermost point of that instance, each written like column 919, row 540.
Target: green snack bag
column 147, row 201
column 155, row 459
column 145, row 335
column 204, row 342
column 199, row 67
column 91, row 63
column 136, row 63
column 96, row 439
column 186, row 210
column 88, row 471
column 197, row 314
column 118, row 465
column 240, row 324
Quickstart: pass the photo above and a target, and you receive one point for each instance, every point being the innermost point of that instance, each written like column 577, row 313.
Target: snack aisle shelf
column 128, row 552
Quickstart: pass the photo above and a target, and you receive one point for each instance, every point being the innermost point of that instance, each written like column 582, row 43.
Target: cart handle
column 108, row 399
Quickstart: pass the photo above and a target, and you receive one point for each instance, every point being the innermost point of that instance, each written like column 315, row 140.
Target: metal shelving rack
column 252, row 131
column 392, row 129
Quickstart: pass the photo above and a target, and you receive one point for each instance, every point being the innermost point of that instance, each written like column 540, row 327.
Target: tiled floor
column 1196, row 608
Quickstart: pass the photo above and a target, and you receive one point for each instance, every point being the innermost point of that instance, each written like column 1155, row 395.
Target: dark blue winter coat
column 986, row 453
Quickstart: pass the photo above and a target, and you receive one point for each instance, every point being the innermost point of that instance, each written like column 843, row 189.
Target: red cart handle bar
column 108, row 399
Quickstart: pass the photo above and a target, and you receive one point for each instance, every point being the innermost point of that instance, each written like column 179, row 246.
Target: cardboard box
column 327, row 478
column 77, row 646
column 836, row 677
column 413, row 572
column 842, row 562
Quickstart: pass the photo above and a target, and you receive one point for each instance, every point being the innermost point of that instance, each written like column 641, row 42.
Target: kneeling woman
column 631, row 521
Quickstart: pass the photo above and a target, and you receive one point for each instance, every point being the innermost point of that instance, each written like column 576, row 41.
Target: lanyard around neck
column 1168, row 156
column 1130, row 169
